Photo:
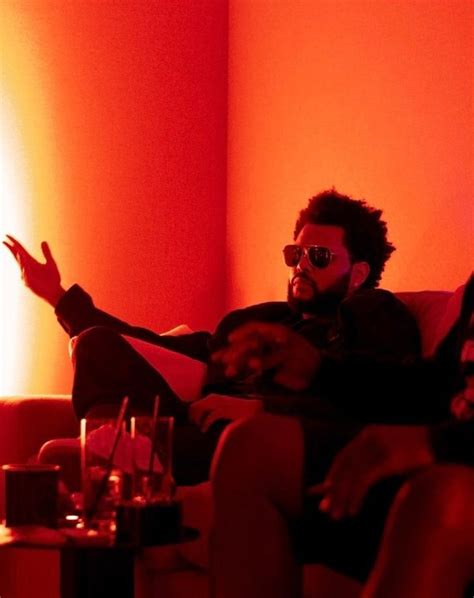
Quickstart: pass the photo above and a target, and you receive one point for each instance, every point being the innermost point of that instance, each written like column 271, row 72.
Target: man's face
column 312, row 289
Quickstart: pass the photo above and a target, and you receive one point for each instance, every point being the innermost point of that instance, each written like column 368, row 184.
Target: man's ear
column 359, row 273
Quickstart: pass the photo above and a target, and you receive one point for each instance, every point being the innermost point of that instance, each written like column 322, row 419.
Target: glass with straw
column 105, row 460
column 152, row 446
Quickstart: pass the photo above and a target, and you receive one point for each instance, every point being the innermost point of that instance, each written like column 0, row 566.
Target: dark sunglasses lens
column 319, row 256
column 292, row 255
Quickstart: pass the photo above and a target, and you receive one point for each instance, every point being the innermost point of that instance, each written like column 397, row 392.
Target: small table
column 89, row 567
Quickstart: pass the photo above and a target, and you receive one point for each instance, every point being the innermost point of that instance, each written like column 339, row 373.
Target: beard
column 323, row 302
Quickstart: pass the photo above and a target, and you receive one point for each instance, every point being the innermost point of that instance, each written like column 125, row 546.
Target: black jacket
column 371, row 371
column 370, row 323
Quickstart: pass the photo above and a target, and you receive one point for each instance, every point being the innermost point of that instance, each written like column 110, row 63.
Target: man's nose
column 304, row 265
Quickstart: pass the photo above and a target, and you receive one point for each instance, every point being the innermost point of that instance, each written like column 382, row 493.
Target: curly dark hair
column 365, row 233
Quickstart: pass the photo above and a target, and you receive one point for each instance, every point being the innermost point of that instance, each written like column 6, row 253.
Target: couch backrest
column 430, row 309
column 29, row 421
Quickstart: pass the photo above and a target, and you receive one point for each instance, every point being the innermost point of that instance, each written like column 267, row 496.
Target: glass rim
column 31, row 467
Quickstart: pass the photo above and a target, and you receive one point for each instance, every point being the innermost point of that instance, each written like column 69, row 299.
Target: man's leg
column 107, row 368
column 193, row 451
column 428, row 544
column 257, row 480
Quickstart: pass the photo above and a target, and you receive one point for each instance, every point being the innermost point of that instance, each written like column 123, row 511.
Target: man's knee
column 252, row 450
column 236, row 444
column 442, row 494
column 97, row 340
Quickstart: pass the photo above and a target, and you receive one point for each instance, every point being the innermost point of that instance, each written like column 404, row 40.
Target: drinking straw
column 170, row 483
column 110, row 461
column 154, row 430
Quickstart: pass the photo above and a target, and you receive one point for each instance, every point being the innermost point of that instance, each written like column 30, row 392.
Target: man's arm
column 379, row 452
column 258, row 347
column 383, row 390
column 76, row 311
column 373, row 389
column 374, row 322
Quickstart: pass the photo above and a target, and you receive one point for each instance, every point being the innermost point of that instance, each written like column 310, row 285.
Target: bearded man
column 335, row 262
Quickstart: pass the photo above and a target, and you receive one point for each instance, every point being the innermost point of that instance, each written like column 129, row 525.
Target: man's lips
column 301, row 285
column 301, row 280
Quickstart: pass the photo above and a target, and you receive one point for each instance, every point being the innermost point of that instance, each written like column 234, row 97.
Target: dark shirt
column 416, row 391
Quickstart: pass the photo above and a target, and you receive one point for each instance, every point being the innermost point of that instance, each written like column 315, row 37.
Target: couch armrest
column 26, row 422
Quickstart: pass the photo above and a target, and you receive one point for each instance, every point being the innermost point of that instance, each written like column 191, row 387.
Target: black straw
column 154, row 429
column 110, row 462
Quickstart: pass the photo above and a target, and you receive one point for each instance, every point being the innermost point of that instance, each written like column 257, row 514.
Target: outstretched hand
column 376, row 453
column 43, row 279
column 257, row 347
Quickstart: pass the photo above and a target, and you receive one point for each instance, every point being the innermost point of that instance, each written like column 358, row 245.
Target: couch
column 26, row 422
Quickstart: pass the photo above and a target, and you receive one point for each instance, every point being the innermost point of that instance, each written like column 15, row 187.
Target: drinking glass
column 152, row 450
column 31, row 494
column 106, row 464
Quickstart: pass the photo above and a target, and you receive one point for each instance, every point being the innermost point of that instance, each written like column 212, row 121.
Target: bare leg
column 428, row 544
column 257, row 485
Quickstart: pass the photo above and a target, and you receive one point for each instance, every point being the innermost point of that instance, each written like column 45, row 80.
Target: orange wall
column 123, row 116
column 123, row 125
column 373, row 97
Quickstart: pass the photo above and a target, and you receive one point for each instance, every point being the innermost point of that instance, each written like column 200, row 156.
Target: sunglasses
column 318, row 257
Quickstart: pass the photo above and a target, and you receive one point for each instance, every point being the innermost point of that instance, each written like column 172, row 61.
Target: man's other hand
column 257, row 347
column 215, row 407
column 376, row 453
column 43, row 279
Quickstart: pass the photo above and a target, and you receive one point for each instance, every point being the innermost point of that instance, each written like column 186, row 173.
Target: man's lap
column 323, row 438
column 349, row 545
